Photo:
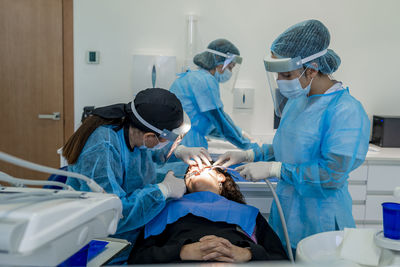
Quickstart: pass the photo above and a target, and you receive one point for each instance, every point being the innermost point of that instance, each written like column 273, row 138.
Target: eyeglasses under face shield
column 174, row 137
column 274, row 66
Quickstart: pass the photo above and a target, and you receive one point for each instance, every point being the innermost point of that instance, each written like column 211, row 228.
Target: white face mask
column 224, row 77
column 292, row 88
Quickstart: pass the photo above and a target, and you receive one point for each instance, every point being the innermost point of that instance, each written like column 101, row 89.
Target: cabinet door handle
column 55, row 116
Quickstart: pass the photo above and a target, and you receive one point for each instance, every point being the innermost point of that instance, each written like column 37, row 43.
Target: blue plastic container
column 85, row 254
column 391, row 220
column 78, row 259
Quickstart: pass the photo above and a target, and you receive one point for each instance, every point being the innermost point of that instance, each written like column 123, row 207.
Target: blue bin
column 78, row 259
column 85, row 254
column 391, row 220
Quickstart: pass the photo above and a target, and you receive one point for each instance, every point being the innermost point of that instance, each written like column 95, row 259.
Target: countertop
column 376, row 153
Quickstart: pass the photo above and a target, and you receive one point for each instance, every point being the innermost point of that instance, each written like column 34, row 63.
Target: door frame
column 68, row 68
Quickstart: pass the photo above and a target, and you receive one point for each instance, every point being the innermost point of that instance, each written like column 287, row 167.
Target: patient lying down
column 210, row 223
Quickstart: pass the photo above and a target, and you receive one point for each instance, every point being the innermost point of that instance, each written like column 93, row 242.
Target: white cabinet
column 373, row 213
column 359, row 174
column 258, row 195
column 383, row 176
column 358, row 192
column 358, row 189
column 263, row 204
column 359, row 213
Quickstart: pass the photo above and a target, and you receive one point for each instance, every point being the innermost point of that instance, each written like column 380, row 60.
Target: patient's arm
column 216, row 248
column 269, row 246
column 156, row 249
column 161, row 249
column 191, row 252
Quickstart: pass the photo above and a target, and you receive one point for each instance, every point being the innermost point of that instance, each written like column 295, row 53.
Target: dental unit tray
column 43, row 227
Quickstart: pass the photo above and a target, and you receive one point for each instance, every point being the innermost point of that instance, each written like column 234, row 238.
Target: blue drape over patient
column 207, row 205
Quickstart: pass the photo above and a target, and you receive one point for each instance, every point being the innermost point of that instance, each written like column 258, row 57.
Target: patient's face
column 206, row 180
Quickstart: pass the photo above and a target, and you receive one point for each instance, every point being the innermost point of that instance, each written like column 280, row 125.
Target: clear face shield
column 274, row 66
column 230, row 67
column 174, row 137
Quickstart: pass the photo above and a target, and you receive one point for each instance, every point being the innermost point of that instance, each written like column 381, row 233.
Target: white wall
column 364, row 33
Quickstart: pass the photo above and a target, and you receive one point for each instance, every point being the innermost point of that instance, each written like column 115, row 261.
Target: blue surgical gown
column 199, row 94
column 128, row 174
column 320, row 140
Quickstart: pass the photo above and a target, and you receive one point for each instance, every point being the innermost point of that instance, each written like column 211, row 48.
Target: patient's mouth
column 195, row 173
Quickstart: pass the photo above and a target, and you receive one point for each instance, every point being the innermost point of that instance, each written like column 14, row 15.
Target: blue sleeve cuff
column 264, row 153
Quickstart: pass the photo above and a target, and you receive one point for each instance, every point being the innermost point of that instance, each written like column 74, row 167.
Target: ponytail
column 73, row 148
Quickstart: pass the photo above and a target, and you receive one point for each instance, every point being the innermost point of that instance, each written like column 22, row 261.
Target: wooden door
column 33, row 76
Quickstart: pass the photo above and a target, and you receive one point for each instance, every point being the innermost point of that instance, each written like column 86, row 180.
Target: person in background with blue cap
column 323, row 135
column 118, row 146
column 200, row 96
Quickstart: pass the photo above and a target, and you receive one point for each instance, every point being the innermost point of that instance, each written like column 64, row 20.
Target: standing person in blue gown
column 199, row 92
column 323, row 135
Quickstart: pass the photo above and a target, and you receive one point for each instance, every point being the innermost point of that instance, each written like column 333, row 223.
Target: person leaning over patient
column 211, row 223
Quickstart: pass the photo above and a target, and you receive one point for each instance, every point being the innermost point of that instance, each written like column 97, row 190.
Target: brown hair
column 230, row 189
column 72, row 149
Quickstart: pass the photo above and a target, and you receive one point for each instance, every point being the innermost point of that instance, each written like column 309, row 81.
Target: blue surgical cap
column 208, row 60
column 305, row 39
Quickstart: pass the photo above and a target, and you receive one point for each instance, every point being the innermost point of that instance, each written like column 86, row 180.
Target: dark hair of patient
column 230, row 189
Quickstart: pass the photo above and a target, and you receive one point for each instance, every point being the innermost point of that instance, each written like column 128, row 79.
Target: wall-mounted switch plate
column 93, row 57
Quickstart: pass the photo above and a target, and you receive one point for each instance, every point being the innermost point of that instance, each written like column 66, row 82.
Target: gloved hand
column 198, row 154
column 234, row 157
column 172, row 187
column 260, row 170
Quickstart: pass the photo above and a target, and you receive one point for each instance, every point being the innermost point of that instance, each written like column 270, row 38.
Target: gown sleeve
column 102, row 162
column 264, row 153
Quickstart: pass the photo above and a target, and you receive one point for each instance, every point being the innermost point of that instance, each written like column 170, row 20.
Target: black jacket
column 166, row 247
